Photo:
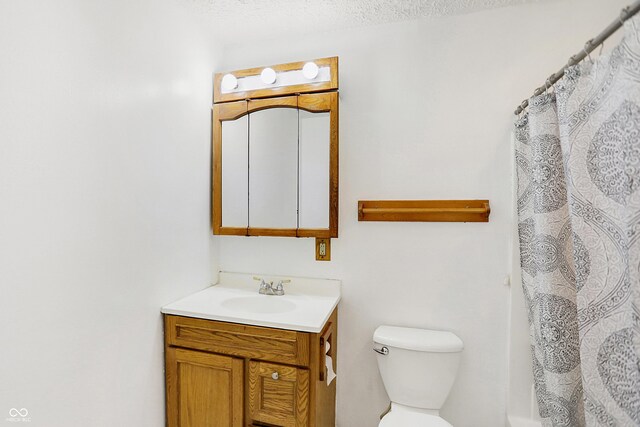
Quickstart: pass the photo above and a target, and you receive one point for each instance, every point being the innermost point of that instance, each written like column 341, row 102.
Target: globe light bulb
column 229, row 82
column 310, row 70
column 268, row 76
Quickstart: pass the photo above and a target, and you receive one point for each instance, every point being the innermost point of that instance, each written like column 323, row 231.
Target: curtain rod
column 589, row 47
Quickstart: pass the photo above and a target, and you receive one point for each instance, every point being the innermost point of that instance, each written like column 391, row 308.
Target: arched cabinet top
column 313, row 103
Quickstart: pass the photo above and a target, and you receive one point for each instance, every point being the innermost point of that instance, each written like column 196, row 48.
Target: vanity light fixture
column 268, row 76
column 229, row 82
column 310, row 70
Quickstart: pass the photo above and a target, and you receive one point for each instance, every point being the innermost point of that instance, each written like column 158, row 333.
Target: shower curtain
column 578, row 169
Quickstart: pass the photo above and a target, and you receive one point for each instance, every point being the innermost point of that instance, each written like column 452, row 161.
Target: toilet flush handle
column 383, row 351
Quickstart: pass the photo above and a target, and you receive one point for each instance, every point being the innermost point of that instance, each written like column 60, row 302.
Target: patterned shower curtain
column 578, row 168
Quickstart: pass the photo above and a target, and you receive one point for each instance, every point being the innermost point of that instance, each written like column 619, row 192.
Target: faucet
column 267, row 288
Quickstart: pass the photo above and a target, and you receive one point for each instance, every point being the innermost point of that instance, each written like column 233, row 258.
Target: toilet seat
column 412, row 419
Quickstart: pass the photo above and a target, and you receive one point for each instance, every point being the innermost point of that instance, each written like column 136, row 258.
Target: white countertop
column 305, row 307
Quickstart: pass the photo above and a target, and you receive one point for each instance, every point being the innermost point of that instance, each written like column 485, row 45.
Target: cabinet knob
column 275, row 376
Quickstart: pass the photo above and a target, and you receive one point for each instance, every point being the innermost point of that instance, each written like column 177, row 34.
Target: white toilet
column 418, row 368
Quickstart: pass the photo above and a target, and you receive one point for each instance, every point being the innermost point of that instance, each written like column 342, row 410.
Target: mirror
column 235, row 174
column 276, row 166
column 314, row 170
column 273, row 168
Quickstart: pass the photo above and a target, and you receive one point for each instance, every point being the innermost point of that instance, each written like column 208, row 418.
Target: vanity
column 237, row 358
column 246, row 352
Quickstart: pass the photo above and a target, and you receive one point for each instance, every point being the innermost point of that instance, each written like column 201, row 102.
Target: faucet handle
column 265, row 288
column 279, row 289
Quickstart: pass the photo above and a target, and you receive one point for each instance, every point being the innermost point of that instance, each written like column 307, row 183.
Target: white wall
column 426, row 113
column 104, row 191
column 104, row 203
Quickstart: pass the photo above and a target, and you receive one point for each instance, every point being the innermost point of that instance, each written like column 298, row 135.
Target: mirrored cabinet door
column 314, row 168
column 273, row 168
column 235, row 171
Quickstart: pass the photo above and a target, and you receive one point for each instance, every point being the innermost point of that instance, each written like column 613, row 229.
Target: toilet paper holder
column 327, row 348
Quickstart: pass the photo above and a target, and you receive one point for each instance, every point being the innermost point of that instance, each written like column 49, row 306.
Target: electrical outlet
column 323, row 249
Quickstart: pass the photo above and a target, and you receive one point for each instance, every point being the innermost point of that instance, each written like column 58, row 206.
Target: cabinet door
column 273, row 168
column 235, row 173
column 278, row 394
column 314, row 169
column 203, row 390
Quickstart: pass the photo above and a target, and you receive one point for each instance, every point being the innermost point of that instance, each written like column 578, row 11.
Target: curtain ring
column 624, row 15
column 601, row 49
column 587, row 45
column 548, row 84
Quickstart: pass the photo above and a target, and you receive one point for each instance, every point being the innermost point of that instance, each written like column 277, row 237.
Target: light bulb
column 268, row 76
column 310, row 70
column 229, row 82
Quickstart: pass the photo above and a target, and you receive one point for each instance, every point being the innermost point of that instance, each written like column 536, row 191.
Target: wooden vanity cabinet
column 222, row 374
column 206, row 389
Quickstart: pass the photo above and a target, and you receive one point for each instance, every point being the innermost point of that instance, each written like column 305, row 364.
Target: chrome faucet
column 267, row 288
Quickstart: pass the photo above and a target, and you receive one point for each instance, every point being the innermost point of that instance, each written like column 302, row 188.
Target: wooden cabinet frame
column 229, row 111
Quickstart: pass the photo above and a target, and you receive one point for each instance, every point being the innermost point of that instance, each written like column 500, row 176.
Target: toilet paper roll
column 327, row 347
column 331, row 375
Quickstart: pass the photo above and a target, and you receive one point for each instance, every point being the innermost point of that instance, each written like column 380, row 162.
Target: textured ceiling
column 241, row 19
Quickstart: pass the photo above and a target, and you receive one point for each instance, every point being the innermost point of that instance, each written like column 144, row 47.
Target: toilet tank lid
column 418, row 339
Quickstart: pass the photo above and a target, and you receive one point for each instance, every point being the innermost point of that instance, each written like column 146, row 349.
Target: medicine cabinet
column 275, row 158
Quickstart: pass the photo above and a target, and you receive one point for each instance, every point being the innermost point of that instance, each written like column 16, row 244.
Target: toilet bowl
column 418, row 368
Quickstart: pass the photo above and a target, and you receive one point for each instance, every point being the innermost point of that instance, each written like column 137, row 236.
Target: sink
column 259, row 304
column 305, row 307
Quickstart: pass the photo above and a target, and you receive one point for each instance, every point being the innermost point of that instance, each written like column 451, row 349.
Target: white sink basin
column 305, row 307
column 259, row 304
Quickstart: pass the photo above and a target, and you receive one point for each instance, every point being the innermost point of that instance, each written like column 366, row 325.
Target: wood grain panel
column 203, row 390
column 278, row 345
column 316, row 102
column 323, row 395
column 264, row 104
column 424, row 210
column 276, row 232
column 231, row 110
column 283, row 400
column 334, row 168
column 231, row 231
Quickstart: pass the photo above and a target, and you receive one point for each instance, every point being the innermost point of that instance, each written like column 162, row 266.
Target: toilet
column 418, row 368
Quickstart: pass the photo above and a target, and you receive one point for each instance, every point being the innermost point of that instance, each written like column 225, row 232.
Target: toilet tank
column 420, row 365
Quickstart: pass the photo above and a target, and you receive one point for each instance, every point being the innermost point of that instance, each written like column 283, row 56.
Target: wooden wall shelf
column 424, row 210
